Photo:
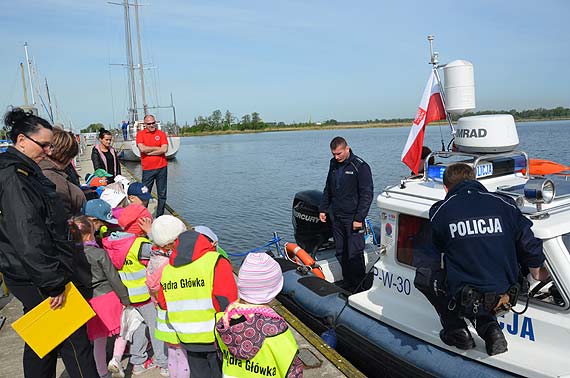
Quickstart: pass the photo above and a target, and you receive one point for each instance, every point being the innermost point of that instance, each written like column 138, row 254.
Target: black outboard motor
column 310, row 233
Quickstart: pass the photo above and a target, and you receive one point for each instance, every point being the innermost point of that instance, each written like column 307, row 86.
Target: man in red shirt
column 153, row 145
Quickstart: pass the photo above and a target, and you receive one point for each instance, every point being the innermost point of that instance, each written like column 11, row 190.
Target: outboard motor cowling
column 310, row 233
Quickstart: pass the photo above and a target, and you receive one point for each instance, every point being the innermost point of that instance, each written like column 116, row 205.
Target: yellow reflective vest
column 164, row 331
column 133, row 273
column 273, row 359
column 188, row 293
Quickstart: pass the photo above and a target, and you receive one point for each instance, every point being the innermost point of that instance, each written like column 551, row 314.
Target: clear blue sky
column 288, row 60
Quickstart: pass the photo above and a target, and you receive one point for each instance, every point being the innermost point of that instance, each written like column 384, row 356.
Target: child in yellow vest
column 130, row 253
column 165, row 230
column 197, row 283
column 254, row 340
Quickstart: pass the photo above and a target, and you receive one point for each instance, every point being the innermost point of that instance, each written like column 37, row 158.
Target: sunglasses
column 43, row 146
column 150, row 123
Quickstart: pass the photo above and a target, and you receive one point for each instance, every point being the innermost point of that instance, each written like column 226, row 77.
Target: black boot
column 460, row 338
column 495, row 341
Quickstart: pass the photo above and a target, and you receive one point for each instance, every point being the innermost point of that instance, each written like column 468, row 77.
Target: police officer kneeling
column 484, row 238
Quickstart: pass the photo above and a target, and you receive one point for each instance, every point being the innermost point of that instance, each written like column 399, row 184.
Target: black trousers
column 349, row 245
column 453, row 319
column 76, row 351
column 204, row 364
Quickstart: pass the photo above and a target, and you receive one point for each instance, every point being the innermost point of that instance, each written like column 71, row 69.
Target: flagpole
column 435, row 63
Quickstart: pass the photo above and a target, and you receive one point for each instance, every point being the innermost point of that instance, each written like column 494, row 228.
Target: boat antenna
column 434, row 61
column 29, row 63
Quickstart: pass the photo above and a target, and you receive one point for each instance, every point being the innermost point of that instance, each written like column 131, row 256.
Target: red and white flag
column 430, row 109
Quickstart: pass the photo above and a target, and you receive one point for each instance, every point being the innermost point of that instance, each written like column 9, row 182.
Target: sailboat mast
column 131, row 69
column 29, row 63
column 24, row 85
column 141, row 67
column 173, row 110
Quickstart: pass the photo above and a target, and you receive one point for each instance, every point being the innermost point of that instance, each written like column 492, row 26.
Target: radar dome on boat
column 459, row 87
column 486, row 134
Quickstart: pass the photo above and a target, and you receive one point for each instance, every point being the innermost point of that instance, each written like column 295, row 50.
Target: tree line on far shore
column 220, row 122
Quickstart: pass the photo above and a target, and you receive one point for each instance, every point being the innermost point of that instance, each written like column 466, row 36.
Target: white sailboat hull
column 128, row 150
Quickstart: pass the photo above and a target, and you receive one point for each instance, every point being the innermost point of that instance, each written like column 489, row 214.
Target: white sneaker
column 148, row 365
column 164, row 372
column 116, row 368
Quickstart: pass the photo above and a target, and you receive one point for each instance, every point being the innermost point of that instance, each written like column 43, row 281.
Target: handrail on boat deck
column 476, row 159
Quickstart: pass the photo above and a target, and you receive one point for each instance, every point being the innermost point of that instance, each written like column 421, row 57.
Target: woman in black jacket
column 36, row 256
column 104, row 156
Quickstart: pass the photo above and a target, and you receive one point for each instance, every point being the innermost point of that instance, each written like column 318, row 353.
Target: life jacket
column 133, row 273
column 273, row 359
column 188, row 293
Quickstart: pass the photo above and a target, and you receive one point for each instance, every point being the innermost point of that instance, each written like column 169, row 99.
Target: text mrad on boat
column 391, row 329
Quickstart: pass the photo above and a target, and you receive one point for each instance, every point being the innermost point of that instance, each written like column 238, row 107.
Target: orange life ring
column 300, row 256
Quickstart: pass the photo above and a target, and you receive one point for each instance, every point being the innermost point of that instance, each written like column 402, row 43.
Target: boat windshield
column 566, row 241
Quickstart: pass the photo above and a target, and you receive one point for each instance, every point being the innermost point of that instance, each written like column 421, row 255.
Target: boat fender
column 301, row 257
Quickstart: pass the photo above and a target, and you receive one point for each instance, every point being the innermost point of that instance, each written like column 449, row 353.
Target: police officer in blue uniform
column 484, row 238
column 346, row 199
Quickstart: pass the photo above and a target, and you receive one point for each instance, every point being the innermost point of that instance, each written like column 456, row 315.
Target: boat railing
column 390, row 190
column 484, row 164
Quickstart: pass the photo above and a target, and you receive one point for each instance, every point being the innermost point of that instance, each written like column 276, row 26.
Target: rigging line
column 111, row 87
column 153, row 66
column 154, row 74
column 45, row 107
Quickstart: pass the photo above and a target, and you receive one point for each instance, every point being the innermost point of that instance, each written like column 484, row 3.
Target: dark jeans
column 161, row 177
column 76, row 351
column 349, row 245
column 204, row 364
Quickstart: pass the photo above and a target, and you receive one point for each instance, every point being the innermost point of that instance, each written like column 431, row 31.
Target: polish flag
column 430, row 109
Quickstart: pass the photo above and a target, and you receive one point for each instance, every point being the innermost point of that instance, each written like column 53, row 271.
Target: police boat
column 390, row 329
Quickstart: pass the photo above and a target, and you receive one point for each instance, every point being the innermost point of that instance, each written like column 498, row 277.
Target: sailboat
column 27, row 106
column 127, row 147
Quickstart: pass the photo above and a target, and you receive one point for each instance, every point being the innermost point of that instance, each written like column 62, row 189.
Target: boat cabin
column 536, row 337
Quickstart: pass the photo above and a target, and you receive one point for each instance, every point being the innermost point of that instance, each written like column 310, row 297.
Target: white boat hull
column 128, row 151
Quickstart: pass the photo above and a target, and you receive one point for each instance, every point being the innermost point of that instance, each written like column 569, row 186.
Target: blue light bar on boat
column 493, row 166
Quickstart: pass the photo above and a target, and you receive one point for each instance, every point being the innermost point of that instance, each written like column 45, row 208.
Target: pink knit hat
column 260, row 279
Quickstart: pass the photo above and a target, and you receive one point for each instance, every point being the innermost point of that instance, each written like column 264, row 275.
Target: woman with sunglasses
column 36, row 256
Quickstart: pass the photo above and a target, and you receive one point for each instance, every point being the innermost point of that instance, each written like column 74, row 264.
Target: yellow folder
column 43, row 329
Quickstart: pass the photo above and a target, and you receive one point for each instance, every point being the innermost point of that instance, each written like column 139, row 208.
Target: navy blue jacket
column 484, row 237
column 349, row 189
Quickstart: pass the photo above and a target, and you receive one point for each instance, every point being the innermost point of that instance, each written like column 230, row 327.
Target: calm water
column 242, row 186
